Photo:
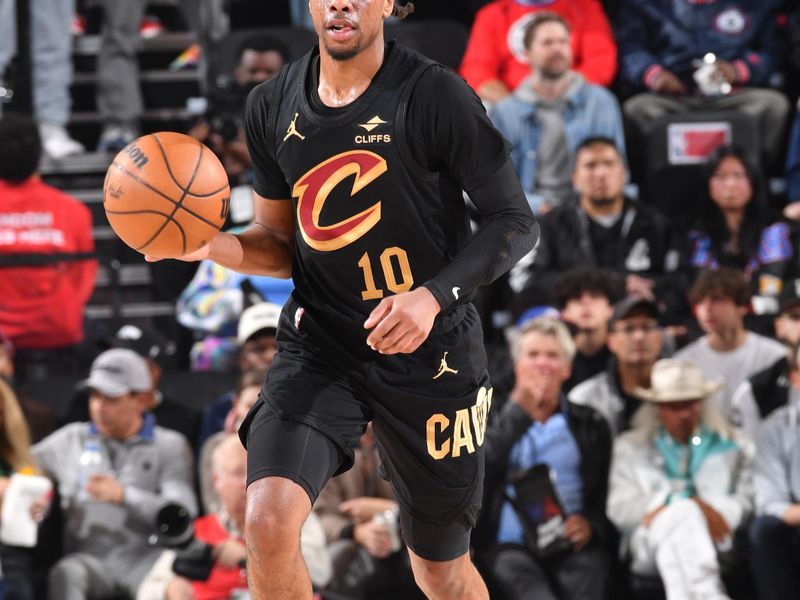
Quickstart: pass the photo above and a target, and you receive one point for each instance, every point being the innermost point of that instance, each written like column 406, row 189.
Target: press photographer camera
column 194, row 558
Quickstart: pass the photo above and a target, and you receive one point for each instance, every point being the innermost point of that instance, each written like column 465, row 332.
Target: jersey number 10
column 403, row 285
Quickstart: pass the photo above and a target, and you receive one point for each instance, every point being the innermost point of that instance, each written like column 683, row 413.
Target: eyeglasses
column 631, row 329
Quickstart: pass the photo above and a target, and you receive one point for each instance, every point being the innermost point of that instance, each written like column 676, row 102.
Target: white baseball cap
column 264, row 315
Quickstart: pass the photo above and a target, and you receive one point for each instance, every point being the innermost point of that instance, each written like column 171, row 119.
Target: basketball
column 166, row 194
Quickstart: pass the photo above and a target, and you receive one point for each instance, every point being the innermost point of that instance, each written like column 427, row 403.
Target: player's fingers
column 149, row 258
column 390, row 338
column 378, row 313
column 381, row 330
column 409, row 343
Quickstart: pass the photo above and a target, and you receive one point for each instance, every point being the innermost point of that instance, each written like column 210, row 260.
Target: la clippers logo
column 314, row 187
column 731, row 21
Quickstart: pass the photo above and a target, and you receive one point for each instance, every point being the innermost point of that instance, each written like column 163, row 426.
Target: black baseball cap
column 145, row 342
column 627, row 306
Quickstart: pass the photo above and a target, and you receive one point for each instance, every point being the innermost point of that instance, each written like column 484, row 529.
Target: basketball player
column 374, row 143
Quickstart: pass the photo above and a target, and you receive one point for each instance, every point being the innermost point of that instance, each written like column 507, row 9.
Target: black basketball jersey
column 370, row 219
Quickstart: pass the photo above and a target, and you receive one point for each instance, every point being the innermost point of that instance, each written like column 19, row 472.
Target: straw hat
column 676, row 381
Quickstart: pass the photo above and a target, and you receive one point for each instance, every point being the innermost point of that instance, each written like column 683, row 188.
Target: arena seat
column 676, row 150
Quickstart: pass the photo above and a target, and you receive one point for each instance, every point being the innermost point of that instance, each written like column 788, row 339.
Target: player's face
column 346, row 27
column 599, row 173
column 636, row 341
column 550, row 52
column 256, row 67
column 730, row 186
column 680, row 419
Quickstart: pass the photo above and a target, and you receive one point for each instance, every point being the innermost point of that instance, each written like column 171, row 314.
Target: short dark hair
column 262, row 43
column 537, row 21
column 724, row 282
column 20, row 147
column 593, row 280
column 401, row 12
column 595, row 140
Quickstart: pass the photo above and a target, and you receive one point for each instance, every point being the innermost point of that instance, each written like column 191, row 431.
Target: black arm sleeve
column 269, row 180
column 449, row 131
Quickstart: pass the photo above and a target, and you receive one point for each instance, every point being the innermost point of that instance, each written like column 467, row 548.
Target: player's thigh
column 431, row 410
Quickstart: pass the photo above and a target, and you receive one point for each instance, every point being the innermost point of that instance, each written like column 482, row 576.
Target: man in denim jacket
column 551, row 112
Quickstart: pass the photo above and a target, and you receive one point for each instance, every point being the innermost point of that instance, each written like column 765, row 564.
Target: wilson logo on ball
column 166, row 195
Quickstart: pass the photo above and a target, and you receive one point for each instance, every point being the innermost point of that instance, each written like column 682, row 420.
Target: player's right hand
column 200, row 254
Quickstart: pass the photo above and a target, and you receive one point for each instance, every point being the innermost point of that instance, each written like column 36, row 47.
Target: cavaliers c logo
column 313, row 189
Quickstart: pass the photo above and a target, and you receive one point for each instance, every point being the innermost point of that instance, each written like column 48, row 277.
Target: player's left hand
column 402, row 322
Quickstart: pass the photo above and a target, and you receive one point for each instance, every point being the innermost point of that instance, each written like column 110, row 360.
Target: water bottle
column 388, row 518
column 92, row 462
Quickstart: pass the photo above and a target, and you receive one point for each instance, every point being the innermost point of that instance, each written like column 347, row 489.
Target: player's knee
column 445, row 579
column 275, row 514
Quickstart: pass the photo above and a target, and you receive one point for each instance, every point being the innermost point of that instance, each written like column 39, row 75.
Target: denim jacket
column 590, row 110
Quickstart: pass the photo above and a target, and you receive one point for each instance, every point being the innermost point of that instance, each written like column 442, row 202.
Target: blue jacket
column 793, row 162
column 591, row 110
column 672, row 33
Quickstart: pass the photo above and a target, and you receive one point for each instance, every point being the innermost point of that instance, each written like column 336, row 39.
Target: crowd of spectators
column 644, row 429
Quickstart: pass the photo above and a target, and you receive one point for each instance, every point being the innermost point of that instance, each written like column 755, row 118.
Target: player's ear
column 388, row 8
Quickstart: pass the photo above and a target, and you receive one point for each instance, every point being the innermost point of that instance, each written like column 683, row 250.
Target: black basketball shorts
column 429, row 411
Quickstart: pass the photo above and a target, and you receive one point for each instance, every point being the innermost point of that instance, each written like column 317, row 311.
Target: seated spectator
column 779, row 383
column 733, row 229
column 110, row 511
column 792, row 209
column 551, row 112
column 40, row 418
column 358, row 512
column 247, row 393
column 257, row 347
column 15, row 457
column 604, row 229
column 223, row 530
column 539, row 427
column 211, row 306
column 727, row 352
column 585, row 298
column 635, row 341
column 168, row 412
column 258, row 58
column 680, row 484
column 46, row 249
column 494, row 62
column 661, row 48
column 775, row 532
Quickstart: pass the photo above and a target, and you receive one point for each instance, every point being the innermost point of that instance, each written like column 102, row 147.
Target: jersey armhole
column 274, row 109
column 403, row 146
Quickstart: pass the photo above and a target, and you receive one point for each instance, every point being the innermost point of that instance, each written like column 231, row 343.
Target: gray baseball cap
column 117, row 372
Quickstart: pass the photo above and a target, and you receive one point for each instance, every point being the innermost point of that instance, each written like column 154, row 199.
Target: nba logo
column 691, row 143
column 298, row 316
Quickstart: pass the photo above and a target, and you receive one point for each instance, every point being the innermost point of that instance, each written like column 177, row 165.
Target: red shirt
column 222, row 581
column 495, row 49
column 41, row 305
